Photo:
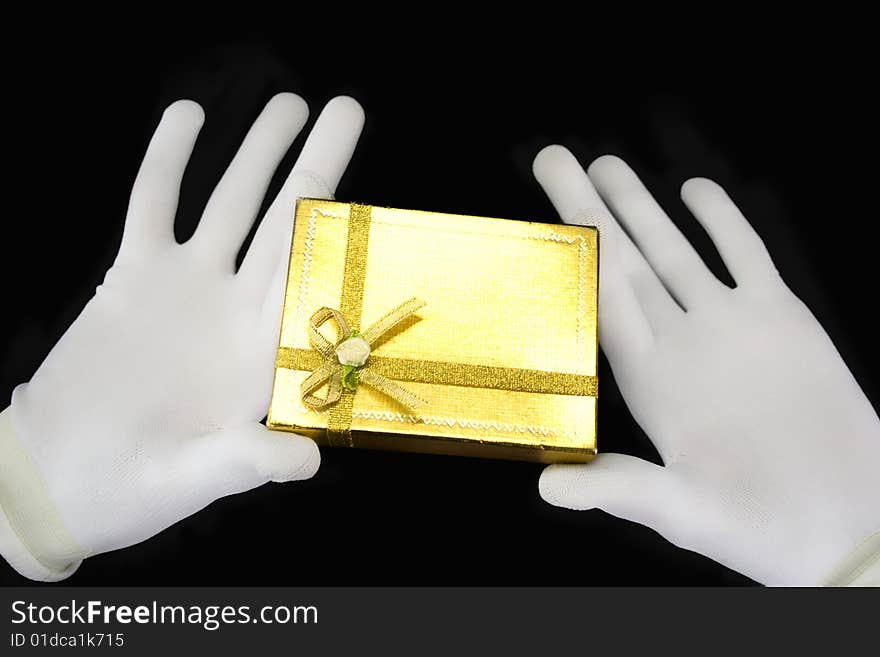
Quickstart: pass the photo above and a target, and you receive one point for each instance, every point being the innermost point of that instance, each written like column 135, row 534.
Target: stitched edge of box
column 549, row 236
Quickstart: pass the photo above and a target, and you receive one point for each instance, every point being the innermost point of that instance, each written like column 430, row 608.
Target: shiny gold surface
column 504, row 298
column 456, row 374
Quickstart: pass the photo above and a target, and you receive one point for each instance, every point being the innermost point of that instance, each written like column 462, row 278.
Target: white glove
column 771, row 450
column 149, row 407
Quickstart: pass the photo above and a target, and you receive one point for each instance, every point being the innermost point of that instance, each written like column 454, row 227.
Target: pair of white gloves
column 149, row 407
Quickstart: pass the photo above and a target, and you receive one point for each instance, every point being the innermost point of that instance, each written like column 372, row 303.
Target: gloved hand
column 149, row 407
column 770, row 448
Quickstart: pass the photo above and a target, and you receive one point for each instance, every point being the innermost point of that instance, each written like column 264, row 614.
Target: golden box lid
column 503, row 352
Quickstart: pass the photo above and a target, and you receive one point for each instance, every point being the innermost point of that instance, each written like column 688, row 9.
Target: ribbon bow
column 346, row 362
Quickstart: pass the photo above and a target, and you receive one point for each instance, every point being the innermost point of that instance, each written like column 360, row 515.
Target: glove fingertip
column 299, row 459
column 185, row 111
column 346, row 108
column 550, row 161
column 291, row 105
column 557, row 483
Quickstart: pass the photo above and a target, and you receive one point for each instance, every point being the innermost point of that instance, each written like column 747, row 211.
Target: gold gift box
column 503, row 352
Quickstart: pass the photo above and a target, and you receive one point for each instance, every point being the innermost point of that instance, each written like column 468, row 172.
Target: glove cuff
column 861, row 567
column 33, row 538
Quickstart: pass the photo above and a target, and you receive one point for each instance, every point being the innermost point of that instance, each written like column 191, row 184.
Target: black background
column 451, row 128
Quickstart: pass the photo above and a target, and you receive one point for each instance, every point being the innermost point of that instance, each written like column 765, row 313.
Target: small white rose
column 353, row 352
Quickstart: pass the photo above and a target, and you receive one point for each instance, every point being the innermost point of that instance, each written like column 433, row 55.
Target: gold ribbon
column 456, row 374
column 401, row 369
column 339, row 376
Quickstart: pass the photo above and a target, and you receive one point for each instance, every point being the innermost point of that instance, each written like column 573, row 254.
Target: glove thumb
column 237, row 459
column 624, row 486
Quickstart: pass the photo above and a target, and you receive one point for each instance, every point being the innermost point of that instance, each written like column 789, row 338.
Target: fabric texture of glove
column 770, row 448
column 149, row 407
